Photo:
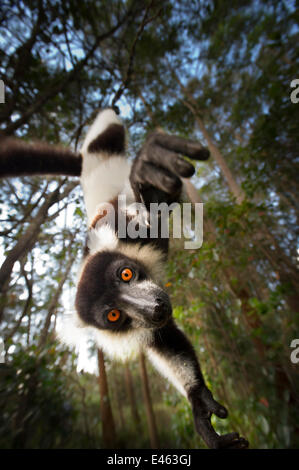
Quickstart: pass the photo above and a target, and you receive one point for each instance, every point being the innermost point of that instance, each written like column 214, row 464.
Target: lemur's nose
column 162, row 309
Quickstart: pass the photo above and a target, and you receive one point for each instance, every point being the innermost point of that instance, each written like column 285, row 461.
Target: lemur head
column 118, row 292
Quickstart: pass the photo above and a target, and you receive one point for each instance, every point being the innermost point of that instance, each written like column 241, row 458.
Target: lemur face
column 116, row 292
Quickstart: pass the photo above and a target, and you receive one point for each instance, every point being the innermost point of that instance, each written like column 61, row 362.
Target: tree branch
column 26, row 242
column 128, row 75
column 61, row 85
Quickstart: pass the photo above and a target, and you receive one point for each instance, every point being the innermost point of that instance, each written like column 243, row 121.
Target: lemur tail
column 105, row 169
column 19, row 158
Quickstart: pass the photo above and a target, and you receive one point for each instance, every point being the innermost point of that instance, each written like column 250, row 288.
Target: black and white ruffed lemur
column 120, row 296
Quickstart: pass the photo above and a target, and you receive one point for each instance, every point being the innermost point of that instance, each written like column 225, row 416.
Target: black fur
column 172, row 342
column 112, row 141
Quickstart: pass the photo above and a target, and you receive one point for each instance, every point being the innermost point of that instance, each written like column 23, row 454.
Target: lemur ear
column 107, row 134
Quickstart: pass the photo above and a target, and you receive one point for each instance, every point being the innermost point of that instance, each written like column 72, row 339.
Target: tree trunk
column 148, row 405
column 117, row 397
column 54, row 302
column 131, row 396
column 234, row 187
column 108, row 426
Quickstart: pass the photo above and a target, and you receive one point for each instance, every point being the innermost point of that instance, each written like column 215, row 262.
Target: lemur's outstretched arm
column 155, row 177
column 173, row 355
column 19, row 158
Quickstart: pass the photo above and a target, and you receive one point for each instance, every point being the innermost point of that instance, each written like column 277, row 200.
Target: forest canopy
column 213, row 71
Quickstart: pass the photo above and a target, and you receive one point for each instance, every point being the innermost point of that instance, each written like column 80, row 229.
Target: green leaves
column 261, row 307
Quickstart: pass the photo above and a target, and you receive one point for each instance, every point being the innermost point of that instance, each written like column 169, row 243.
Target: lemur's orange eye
column 126, row 274
column 113, row 315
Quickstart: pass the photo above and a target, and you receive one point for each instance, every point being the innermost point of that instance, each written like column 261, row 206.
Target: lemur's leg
column 173, row 355
column 105, row 169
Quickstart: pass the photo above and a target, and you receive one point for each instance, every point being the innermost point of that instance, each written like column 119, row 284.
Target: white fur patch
column 163, row 366
column 122, row 346
column 117, row 345
column 102, row 181
column 102, row 238
column 176, row 369
column 72, row 330
column 103, row 176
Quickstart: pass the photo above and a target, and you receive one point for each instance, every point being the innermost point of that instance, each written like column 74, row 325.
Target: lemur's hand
column 157, row 170
column 204, row 405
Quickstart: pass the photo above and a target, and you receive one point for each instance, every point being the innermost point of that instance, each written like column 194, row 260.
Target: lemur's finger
column 232, row 441
column 219, row 410
column 190, row 148
column 168, row 160
column 215, row 441
column 239, row 443
column 160, row 178
column 207, row 432
column 228, row 439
